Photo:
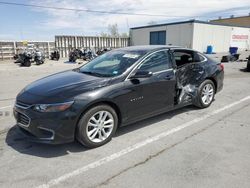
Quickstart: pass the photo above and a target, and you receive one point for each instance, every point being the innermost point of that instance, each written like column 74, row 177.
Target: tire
column 85, row 126
column 27, row 63
column 248, row 65
column 73, row 59
column 207, row 88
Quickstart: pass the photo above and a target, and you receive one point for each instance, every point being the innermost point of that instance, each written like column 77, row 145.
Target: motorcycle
column 25, row 59
column 88, row 55
column 75, row 54
column 55, row 55
column 102, row 51
column 39, row 57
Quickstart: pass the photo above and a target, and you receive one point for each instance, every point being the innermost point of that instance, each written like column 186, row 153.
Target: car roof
column 150, row 48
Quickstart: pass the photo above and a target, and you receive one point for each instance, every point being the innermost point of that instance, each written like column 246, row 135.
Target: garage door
column 158, row 37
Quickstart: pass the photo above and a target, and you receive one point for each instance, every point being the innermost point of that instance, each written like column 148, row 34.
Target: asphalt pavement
column 188, row 147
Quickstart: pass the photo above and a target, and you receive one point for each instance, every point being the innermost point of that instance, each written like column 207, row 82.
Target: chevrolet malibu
column 115, row 89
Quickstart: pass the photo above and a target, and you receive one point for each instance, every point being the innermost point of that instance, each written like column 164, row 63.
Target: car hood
column 64, row 85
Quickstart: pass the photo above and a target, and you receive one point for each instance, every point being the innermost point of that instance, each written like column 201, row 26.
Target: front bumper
column 50, row 128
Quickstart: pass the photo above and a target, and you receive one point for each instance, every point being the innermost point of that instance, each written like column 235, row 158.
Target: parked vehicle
column 115, row 89
column 230, row 58
column 39, row 57
column 88, row 55
column 75, row 54
column 248, row 64
column 24, row 58
column 55, row 55
column 102, row 51
column 85, row 54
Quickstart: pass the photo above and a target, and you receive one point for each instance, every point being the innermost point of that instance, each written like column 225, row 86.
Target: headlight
column 57, row 107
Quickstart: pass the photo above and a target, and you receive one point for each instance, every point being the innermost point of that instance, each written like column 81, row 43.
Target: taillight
column 221, row 66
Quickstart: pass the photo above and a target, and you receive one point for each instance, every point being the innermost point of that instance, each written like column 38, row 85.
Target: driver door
column 153, row 94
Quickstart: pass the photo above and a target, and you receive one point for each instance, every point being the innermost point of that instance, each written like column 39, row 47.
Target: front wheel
column 205, row 94
column 97, row 126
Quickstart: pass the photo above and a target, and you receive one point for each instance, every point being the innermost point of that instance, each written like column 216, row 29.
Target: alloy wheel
column 207, row 94
column 100, row 126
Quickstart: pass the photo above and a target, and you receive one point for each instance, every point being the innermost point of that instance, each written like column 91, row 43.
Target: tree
column 113, row 30
column 102, row 34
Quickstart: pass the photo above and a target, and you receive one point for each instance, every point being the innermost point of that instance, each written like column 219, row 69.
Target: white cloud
column 93, row 23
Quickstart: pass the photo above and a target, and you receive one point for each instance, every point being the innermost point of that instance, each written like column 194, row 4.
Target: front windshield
column 112, row 63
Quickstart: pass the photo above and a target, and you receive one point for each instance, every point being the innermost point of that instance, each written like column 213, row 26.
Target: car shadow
column 244, row 70
column 152, row 120
column 16, row 140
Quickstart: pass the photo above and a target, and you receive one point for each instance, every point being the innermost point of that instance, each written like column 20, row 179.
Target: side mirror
column 141, row 74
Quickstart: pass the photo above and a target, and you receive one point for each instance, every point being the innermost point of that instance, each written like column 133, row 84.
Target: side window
column 201, row 58
column 198, row 57
column 156, row 62
column 183, row 57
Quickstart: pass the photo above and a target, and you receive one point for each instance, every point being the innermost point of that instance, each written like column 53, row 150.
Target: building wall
column 220, row 37
column 178, row 35
column 142, row 36
column 238, row 21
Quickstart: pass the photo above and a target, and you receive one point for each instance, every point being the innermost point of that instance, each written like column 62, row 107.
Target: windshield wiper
column 95, row 74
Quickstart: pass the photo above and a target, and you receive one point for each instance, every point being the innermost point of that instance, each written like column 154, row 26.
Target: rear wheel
column 206, row 94
column 97, row 126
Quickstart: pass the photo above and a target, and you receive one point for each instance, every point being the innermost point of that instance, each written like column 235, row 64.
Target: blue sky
column 28, row 23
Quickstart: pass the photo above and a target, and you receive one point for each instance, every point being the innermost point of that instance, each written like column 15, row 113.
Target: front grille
column 22, row 105
column 23, row 119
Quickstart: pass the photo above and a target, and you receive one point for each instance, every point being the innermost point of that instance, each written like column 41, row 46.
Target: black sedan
column 115, row 89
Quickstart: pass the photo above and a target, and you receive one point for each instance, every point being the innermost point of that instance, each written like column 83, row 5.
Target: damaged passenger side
column 189, row 70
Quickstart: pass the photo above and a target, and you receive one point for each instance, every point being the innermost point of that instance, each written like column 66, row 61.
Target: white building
column 193, row 34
